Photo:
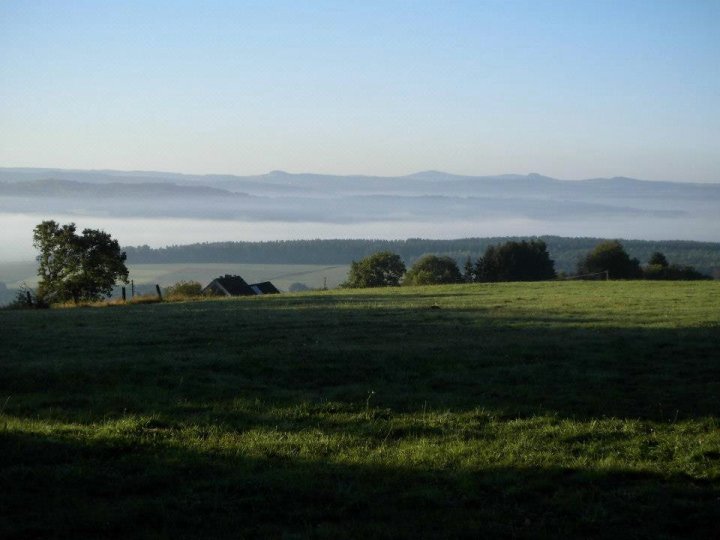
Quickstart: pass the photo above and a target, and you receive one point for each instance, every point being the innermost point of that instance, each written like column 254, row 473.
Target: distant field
column 538, row 410
column 282, row 275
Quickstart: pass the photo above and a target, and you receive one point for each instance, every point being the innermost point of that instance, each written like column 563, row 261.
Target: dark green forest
column 704, row 256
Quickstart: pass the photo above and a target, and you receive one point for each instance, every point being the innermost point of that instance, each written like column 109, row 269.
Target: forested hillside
column 704, row 256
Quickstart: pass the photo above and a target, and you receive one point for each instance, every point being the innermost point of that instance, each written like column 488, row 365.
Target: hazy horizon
column 580, row 90
column 16, row 231
column 160, row 209
column 571, row 90
column 408, row 173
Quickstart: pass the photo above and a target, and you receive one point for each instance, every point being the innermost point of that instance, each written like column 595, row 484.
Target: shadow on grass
column 55, row 487
column 107, row 363
column 337, row 365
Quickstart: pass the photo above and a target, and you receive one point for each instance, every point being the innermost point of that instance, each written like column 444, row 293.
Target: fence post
column 123, row 293
column 157, row 288
column 132, row 288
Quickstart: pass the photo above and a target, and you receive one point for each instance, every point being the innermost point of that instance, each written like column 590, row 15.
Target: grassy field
column 282, row 275
column 585, row 410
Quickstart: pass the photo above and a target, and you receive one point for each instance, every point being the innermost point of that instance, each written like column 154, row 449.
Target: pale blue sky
column 571, row 89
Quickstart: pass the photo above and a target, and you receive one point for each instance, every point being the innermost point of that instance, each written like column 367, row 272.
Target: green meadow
column 533, row 410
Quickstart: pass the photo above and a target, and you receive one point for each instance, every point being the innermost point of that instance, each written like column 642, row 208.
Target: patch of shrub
column 433, row 270
column 183, row 290
column 513, row 261
column 611, row 258
column 26, row 299
column 673, row 272
column 382, row 269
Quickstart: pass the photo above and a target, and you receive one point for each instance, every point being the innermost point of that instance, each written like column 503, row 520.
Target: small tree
column 657, row 267
column 658, row 259
column 382, row 269
column 611, row 257
column 77, row 267
column 433, row 270
column 516, row 261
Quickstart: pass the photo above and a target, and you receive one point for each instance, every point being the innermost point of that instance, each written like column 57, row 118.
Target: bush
column 183, row 290
column 673, row 272
column 610, row 256
column 25, row 299
column 515, row 261
column 382, row 269
column 433, row 270
column 659, row 268
column 679, row 271
column 658, row 259
column 655, row 272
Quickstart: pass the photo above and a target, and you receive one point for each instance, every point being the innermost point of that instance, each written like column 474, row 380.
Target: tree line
column 610, row 258
column 512, row 261
column 565, row 252
column 86, row 266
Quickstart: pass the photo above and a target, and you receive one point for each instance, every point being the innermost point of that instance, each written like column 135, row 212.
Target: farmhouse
column 264, row 288
column 228, row 285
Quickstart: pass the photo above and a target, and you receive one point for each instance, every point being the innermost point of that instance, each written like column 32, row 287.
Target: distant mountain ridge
column 583, row 207
column 72, row 188
column 531, row 185
column 16, row 174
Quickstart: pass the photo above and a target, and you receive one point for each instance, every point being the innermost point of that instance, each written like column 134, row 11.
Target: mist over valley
column 161, row 209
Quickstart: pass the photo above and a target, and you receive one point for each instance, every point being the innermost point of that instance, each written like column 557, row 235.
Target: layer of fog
column 16, row 230
column 160, row 209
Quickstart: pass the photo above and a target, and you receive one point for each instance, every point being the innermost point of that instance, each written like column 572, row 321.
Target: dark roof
column 234, row 285
column 237, row 286
column 264, row 288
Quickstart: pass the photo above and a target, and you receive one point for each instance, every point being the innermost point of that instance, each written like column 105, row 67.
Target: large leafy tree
column 610, row 256
column 77, row 267
column 431, row 270
column 515, row 261
column 382, row 269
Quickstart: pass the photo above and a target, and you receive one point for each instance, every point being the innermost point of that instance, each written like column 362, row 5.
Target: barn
column 228, row 285
column 264, row 288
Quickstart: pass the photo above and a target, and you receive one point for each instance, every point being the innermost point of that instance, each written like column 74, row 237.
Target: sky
column 570, row 89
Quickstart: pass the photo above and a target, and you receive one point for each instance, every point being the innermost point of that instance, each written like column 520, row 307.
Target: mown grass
column 496, row 410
